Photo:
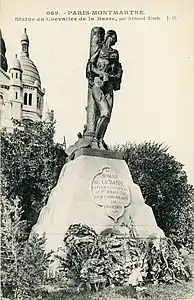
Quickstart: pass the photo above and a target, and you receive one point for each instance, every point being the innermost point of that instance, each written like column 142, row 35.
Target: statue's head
column 97, row 34
column 111, row 36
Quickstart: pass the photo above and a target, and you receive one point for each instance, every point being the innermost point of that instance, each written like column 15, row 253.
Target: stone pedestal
column 97, row 191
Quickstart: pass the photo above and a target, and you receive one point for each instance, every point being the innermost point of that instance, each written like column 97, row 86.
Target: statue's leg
column 109, row 100
column 103, row 120
column 101, row 127
column 95, row 143
column 97, row 116
column 104, row 115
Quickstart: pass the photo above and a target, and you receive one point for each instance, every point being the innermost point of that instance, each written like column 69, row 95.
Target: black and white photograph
column 97, row 150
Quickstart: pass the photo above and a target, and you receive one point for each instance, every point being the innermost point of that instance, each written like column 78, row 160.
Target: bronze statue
column 104, row 74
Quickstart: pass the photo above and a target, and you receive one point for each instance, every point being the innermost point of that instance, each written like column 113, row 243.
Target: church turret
column 25, row 44
column 16, row 89
column 15, row 72
column 3, row 59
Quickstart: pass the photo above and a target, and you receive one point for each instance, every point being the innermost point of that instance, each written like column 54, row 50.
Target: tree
column 10, row 247
column 23, row 263
column 165, row 188
column 31, row 163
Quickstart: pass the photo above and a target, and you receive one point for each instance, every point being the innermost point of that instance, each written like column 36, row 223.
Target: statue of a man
column 104, row 72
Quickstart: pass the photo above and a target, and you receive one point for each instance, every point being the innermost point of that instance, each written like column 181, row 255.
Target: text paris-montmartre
column 104, row 12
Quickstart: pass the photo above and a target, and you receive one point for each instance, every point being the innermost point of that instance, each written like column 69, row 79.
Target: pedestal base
column 98, row 192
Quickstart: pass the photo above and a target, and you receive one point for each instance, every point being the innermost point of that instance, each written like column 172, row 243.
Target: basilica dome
column 30, row 73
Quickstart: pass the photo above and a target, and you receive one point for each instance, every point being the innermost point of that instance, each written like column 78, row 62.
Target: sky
column 156, row 100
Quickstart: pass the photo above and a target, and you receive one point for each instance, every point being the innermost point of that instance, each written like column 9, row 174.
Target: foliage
column 31, row 163
column 98, row 261
column 164, row 185
column 183, row 230
column 11, row 249
column 23, row 263
column 165, row 263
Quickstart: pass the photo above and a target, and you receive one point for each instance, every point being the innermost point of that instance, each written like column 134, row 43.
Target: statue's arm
column 92, row 62
column 90, row 68
column 96, row 70
column 94, row 56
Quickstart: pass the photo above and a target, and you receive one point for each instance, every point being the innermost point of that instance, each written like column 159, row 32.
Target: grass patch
column 176, row 291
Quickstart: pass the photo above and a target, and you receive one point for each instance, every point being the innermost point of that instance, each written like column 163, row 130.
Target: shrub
column 165, row 188
column 98, row 261
column 23, row 263
column 30, row 165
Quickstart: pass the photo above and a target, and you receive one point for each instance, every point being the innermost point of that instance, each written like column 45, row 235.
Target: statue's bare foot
column 95, row 144
column 101, row 146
